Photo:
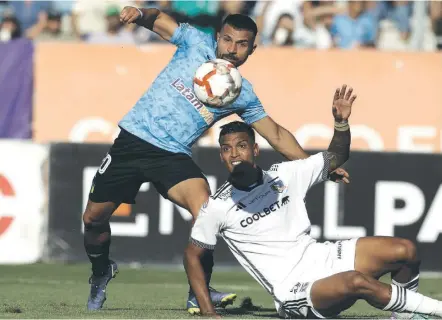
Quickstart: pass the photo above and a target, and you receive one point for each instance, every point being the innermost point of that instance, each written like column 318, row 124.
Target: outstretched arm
column 280, row 139
column 197, row 281
column 152, row 19
column 339, row 149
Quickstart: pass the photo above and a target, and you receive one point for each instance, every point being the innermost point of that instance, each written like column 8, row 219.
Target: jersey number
column 105, row 163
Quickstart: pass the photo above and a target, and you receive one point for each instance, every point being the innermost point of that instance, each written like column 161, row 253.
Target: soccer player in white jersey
column 263, row 219
column 157, row 134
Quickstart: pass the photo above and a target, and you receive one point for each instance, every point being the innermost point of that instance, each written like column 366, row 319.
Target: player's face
column 235, row 45
column 237, row 148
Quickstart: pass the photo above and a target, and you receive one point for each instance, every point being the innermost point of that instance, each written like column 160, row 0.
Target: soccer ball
column 217, row 83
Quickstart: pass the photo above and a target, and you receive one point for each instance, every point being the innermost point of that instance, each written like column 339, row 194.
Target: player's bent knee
column 97, row 214
column 91, row 223
column 405, row 250
column 356, row 283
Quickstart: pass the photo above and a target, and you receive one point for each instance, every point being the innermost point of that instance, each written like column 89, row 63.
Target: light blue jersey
column 169, row 115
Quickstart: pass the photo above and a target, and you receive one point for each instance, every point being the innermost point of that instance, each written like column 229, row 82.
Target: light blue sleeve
column 186, row 35
column 253, row 110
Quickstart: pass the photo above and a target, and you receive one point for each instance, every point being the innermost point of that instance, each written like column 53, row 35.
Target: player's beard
column 232, row 59
column 245, row 176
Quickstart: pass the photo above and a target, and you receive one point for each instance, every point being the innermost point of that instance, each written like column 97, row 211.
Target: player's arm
column 152, row 19
column 280, row 138
column 202, row 238
column 195, row 274
column 339, row 149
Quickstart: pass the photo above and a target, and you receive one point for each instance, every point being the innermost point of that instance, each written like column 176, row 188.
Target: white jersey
column 267, row 228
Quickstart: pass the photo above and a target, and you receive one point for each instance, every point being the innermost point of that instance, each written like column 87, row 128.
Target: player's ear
column 254, row 47
column 217, row 36
column 221, row 157
column 256, row 150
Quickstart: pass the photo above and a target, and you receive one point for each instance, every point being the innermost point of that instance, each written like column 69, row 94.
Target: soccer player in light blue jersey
column 156, row 136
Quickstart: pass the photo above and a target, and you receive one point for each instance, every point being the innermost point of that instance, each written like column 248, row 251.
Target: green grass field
column 60, row 291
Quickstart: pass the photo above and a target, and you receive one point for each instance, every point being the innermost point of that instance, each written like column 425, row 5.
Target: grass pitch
column 60, row 291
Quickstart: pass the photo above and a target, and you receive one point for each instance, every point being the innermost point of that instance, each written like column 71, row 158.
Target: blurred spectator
column 10, row 29
column 288, row 19
column 63, row 6
column 3, row 7
column 115, row 33
column 28, row 11
column 49, row 27
column 355, row 29
column 315, row 12
column 193, row 8
column 203, row 14
column 317, row 18
column 233, row 7
column 398, row 12
column 87, row 15
column 267, row 14
column 284, row 30
column 206, row 15
column 436, row 21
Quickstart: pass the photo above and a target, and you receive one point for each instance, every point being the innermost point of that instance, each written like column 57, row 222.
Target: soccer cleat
column 219, row 300
column 97, row 297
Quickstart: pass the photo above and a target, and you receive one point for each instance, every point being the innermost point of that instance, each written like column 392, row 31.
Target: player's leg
column 332, row 295
column 97, row 238
column 117, row 180
column 97, row 234
column 181, row 181
column 377, row 256
column 190, row 194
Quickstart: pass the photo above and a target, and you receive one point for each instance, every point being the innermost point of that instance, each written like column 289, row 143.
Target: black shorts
column 132, row 161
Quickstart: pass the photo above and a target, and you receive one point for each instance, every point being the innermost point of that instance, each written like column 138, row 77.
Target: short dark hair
column 237, row 126
column 241, row 22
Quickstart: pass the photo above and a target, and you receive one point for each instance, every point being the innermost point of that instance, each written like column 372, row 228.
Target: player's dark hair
column 241, row 22
column 237, row 126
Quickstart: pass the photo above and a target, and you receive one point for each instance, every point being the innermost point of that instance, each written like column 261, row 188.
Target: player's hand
column 339, row 175
column 342, row 103
column 129, row 15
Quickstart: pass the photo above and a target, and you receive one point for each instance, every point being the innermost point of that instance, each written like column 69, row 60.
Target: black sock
column 97, row 242
column 207, row 264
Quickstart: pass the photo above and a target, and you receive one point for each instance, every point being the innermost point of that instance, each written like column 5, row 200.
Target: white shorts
column 319, row 261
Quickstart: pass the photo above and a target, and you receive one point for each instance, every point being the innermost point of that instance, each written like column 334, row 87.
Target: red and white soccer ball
column 217, row 83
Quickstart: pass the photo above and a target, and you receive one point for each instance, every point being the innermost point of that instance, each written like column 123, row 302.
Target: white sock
column 411, row 285
column 404, row 300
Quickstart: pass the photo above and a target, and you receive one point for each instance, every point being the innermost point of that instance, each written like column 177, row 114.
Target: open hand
column 342, row 103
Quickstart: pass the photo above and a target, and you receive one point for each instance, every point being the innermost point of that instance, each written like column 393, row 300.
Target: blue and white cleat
column 97, row 297
column 219, row 300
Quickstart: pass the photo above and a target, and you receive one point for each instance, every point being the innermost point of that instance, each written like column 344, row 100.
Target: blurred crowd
column 386, row 25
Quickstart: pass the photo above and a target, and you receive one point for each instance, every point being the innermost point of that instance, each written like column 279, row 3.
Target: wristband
column 342, row 126
column 141, row 13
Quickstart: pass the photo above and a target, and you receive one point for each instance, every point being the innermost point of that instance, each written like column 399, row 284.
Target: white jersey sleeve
column 207, row 226
column 306, row 172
